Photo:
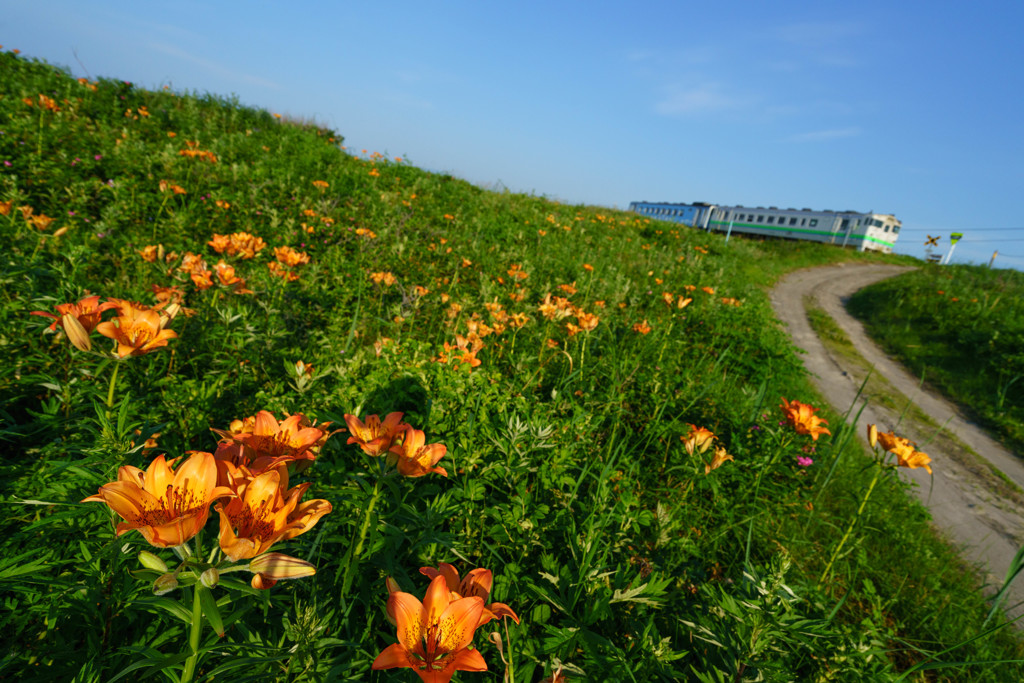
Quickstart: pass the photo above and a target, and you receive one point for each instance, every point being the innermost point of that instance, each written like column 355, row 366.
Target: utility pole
column 992, row 260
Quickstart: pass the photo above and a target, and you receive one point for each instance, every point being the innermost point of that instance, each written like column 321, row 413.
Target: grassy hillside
column 571, row 360
column 962, row 329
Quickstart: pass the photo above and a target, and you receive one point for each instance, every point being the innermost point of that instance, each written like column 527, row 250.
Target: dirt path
column 974, row 509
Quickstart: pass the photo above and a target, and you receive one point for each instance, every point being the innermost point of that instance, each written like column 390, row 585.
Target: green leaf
column 169, row 605
column 210, row 610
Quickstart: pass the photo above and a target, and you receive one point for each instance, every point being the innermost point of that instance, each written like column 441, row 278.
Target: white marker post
column 953, row 239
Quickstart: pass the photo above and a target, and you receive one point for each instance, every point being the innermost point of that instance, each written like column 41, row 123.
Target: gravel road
column 970, row 507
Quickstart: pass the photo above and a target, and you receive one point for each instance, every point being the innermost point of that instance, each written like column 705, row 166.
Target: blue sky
column 911, row 108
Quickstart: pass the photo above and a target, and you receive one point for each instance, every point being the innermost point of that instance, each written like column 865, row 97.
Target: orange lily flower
column 269, row 443
column 698, row 439
column 801, row 418
column 433, row 636
column 136, row 330
column 167, row 507
column 587, row 321
column 375, row 437
column 721, row 457
column 415, row 459
column 79, row 319
column 264, row 512
column 477, row 583
column 904, row 450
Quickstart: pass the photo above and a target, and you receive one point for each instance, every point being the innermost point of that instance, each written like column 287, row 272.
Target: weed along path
column 975, row 496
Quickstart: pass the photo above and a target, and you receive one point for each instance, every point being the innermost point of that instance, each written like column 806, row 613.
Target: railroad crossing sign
column 932, row 241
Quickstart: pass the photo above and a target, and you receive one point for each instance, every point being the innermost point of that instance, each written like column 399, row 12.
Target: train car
column 856, row 229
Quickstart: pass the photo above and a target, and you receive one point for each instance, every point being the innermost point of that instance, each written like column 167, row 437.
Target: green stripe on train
column 723, row 225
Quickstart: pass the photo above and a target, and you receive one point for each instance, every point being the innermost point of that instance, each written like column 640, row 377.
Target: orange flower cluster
column 137, row 329
column 86, row 83
column 405, row 447
column 227, row 277
column 516, row 272
column 260, row 443
column 197, row 270
column 802, row 419
column 464, row 350
column 239, row 243
column 556, row 308
column 254, row 502
column 40, row 221
column 905, row 450
column 699, row 440
column 670, row 300
column 44, row 102
column 151, row 253
column 166, row 185
column 641, row 327
column 290, row 257
column 385, row 278
column 321, row 185
column 195, row 153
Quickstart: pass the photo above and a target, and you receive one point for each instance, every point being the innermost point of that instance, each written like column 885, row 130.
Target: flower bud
column 873, row 435
column 76, row 333
column 172, row 310
column 210, row 577
column 277, row 566
column 165, row 584
column 151, row 561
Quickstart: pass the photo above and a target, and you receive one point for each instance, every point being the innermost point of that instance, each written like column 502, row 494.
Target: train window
column 760, row 219
column 896, row 229
column 771, row 219
column 803, row 221
column 814, row 221
column 887, row 228
column 792, row 221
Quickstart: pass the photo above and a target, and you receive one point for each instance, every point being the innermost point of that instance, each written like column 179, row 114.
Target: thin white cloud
column 214, row 67
column 678, row 100
column 826, row 135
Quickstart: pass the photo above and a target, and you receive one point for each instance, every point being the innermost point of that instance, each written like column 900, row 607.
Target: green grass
column 877, row 389
column 962, row 329
column 567, row 476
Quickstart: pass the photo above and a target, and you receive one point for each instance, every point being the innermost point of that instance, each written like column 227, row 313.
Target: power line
column 954, row 229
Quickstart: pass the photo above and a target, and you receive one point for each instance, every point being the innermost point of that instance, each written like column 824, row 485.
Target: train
column 863, row 231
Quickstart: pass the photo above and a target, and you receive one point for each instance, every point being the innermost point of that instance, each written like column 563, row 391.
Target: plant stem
column 110, row 391
column 510, row 668
column 193, row 638
column 853, row 522
column 358, row 549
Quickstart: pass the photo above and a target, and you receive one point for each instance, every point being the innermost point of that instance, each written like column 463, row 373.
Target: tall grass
column 962, row 329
